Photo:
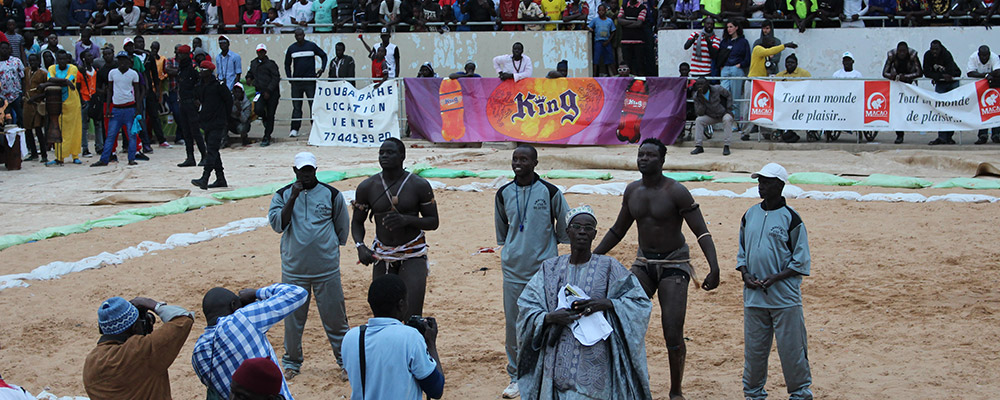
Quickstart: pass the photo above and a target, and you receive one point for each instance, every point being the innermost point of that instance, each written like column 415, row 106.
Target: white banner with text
column 343, row 115
column 872, row 106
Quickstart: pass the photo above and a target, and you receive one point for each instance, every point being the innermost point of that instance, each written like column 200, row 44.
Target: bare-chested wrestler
column 659, row 205
column 403, row 207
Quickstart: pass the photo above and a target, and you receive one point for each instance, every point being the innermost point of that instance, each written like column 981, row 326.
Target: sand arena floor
column 901, row 303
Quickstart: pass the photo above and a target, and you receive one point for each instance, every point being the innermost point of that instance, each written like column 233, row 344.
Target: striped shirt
column 243, row 335
column 701, row 59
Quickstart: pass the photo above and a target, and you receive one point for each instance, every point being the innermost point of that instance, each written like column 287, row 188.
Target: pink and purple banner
column 576, row 111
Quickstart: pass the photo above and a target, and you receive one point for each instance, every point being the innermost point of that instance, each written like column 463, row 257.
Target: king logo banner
column 584, row 111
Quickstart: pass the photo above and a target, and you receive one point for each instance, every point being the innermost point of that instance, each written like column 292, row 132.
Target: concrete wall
column 446, row 52
column 820, row 50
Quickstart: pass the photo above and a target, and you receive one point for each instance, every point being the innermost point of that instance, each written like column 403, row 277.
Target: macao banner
column 575, row 111
column 345, row 116
column 872, row 106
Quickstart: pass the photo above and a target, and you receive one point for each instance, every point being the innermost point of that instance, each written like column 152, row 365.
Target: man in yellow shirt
column 759, row 54
column 553, row 9
column 792, row 68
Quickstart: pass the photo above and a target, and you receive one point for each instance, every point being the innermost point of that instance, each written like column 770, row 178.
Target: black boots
column 189, row 162
column 203, row 182
column 220, row 180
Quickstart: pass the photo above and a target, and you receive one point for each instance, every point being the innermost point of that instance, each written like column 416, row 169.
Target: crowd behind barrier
column 545, row 46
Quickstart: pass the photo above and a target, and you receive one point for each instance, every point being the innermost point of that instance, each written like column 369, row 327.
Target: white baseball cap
column 772, row 170
column 305, row 158
column 261, row 47
column 127, row 41
column 848, row 54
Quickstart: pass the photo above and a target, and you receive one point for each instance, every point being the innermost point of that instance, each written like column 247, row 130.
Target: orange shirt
column 230, row 10
column 88, row 83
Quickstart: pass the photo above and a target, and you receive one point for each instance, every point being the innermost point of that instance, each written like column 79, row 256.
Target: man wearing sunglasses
column 659, row 206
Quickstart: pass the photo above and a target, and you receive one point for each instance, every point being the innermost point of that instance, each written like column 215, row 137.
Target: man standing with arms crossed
column 773, row 254
column 403, row 207
column 529, row 223
column 300, row 62
column 313, row 221
column 658, row 205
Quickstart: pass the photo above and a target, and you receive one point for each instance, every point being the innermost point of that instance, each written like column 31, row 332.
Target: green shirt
column 323, row 12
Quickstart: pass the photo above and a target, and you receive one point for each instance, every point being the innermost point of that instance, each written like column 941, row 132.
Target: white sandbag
column 702, row 192
column 838, row 195
column 437, row 185
column 613, row 189
column 894, row 197
column 964, row 198
column 58, row 269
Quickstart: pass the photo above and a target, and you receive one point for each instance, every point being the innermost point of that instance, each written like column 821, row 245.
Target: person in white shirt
column 130, row 13
column 514, row 66
column 302, row 14
column 13, row 392
column 853, row 11
column 981, row 63
column 212, row 16
column 848, row 71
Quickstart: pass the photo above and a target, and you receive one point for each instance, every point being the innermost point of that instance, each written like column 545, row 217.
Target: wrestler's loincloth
column 390, row 255
column 659, row 266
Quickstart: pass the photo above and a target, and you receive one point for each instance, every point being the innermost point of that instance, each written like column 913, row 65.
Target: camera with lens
column 145, row 321
column 417, row 322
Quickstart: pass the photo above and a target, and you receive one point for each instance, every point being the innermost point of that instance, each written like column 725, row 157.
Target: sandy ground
column 901, row 303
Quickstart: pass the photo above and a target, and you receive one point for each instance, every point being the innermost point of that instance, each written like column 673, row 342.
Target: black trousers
column 191, row 129
column 213, row 142
column 634, row 57
column 153, row 119
column 266, row 109
column 300, row 89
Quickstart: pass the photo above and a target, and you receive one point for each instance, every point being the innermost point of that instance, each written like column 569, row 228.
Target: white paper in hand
column 587, row 330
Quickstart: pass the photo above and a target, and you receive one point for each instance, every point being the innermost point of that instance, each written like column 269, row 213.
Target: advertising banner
column 346, row 116
column 577, row 111
column 872, row 106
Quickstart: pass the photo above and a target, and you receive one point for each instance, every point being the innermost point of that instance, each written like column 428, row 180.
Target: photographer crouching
column 385, row 359
column 131, row 358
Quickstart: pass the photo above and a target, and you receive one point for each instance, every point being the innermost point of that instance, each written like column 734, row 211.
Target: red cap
column 207, row 65
column 259, row 375
column 184, row 49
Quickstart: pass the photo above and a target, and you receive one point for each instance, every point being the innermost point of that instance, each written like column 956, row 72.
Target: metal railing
column 119, row 29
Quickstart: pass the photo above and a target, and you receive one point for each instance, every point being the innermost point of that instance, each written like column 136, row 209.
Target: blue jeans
column 735, row 87
column 17, row 109
column 120, row 118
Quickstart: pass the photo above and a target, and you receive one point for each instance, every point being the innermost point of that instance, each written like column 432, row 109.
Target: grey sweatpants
column 511, row 291
column 788, row 326
column 703, row 121
column 332, row 312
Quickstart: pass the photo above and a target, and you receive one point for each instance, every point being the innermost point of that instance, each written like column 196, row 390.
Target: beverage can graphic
column 452, row 110
column 633, row 108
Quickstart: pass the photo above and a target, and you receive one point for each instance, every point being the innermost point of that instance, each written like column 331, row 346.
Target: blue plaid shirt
column 243, row 335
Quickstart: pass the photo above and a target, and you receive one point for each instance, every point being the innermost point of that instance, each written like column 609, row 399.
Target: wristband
column 358, row 244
